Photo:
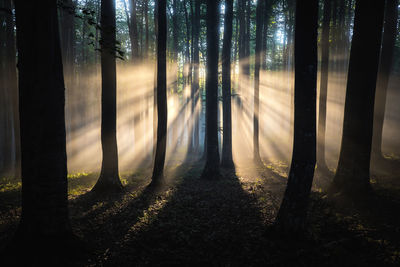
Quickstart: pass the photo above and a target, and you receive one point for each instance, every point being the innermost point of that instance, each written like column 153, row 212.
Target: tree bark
column 385, row 66
column 109, row 177
column 227, row 161
column 161, row 93
column 13, row 89
column 352, row 175
column 195, row 82
column 259, row 34
column 323, row 91
column 133, row 31
column 146, row 21
column 5, row 156
column 211, row 169
column 44, row 218
column 293, row 211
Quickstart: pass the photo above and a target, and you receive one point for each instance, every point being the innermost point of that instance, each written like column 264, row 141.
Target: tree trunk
column 267, row 10
column 13, row 88
column 5, row 147
column 133, row 31
column 227, row 161
column 211, row 169
column 146, row 21
column 109, row 177
column 195, row 82
column 175, row 40
column 247, row 38
column 44, row 218
column 293, row 211
column 259, row 34
column 242, row 47
column 323, row 91
column 155, row 119
column 352, row 175
column 385, row 66
column 161, row 93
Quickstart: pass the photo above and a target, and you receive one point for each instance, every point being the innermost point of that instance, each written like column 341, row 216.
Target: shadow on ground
column 193, row 222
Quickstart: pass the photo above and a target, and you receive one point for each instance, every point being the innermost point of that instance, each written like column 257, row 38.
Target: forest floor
column 194, row 222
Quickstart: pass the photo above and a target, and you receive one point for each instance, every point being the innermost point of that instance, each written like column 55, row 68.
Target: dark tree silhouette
column 9, row 134
column 227, row 161
column 162, row 112
column 292, row 213
column 352, row 175
column 109, row 177
column 12, row 85
column 385, row 66
column 133, row 29
column 67, row 35
column 211, row 169
column 323, row 91
column 195, row 88
column 44, row 217
column 258, row 52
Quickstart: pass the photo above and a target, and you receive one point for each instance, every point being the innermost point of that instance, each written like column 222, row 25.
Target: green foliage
column 9, row 186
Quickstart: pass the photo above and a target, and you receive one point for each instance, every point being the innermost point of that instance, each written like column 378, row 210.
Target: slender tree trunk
column 293, row 211
column 211, row 169
column 227, row 161
column 259, row 34
column 13, row 88
column 267, row 8
column 5, row 156
column 9, row 145
column 385, row 66
column 175, row 40
column 195, row 82
column 161, row 93
column 155, row 119
column 242, row 47
column 323, row 91
column 109, row 177
column 190, row 81
column 68, row 38
column 140, row 33
column 44, row 224
column 352, row 175
column 133, row 31
column 146, row 21
column 247, row 38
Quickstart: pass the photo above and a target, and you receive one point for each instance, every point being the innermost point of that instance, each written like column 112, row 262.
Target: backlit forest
column 199, row 133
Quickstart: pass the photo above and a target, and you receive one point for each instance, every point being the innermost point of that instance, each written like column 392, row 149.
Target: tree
column 259, row 35
column 323, row 91
column 67, row 11
column 162, row 112
column 352, row 175
column 146, row 21
column 195, row 81
column 109, row 177
column 242, row 39
column 133, row 29
column 5, row 157
column 292, row 213
column 267, row 17
column 9, row 133
column 386, row 60
column 44, row 218
column 13, row 88
column 211, row 169
column 227, row 161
